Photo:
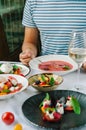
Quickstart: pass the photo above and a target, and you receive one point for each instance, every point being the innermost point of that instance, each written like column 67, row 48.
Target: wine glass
column 77, row 51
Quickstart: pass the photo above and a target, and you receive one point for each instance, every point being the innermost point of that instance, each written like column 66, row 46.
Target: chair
column 4, row 49
column 5, row 55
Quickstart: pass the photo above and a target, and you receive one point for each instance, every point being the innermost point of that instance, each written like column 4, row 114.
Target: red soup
column 55, row 66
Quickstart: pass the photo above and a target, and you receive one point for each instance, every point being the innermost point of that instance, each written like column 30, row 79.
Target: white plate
column 24, row 69
column 36, row 61
column 20, row 79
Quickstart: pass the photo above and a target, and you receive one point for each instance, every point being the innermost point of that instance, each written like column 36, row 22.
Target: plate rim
column 28, row 68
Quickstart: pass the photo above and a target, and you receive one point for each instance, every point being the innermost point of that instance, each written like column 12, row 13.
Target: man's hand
column 26, row 56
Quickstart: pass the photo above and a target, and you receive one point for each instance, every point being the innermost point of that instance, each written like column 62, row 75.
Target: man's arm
column 30, row 39
column 30, row 43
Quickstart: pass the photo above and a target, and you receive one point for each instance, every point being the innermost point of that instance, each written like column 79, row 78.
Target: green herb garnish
column 6, row 91
column 47, row 97
column 15, row 67
column 50, row 109
column 52, row 81
column 0, row 64
column 66, row 67
column 75, row 105
column 1, row 72
column 43, row 77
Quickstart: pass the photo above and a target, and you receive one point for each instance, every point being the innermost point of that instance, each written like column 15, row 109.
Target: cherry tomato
column 18, row 71
column 8, row 118
column 9, row 84
column 42, row 84
column 69, row 108
column 18, row 127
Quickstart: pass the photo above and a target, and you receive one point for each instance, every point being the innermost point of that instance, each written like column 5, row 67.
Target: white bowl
column 34, row 63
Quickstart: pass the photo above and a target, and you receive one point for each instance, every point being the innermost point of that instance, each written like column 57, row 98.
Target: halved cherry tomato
column 17, row 71
column 18, row 127
column 8, row 118
column 69, row 108
column 9, row 84
column 42, row 84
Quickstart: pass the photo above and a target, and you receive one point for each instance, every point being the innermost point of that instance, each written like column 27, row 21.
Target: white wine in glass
column 77, row 51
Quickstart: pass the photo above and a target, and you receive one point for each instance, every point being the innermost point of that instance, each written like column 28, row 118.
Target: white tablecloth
column 14, row 104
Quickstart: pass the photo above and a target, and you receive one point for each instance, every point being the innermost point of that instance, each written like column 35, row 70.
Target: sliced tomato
column 42, row 84
column 9, row 84
column 69, row 108
column 17, row 71
column 46, row 117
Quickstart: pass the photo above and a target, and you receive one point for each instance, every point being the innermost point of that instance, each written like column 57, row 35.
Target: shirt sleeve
column 27, row 15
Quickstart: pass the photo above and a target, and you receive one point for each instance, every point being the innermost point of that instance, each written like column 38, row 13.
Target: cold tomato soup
column 55, row 66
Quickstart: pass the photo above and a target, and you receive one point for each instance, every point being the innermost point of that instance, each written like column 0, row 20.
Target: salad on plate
column 13, row 68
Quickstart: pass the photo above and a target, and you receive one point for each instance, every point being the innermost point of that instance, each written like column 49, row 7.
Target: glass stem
column 78, row 76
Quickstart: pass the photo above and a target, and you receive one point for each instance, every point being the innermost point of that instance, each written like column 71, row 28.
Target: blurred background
column 11, row 29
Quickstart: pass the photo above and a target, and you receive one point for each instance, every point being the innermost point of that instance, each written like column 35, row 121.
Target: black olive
column 37, row 82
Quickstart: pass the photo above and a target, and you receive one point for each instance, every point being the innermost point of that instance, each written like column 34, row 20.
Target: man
column 54, row 20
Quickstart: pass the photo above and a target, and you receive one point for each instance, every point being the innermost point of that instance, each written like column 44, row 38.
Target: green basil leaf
column 50, row 109
column 15, row 67
column 47, row 97
column 52, row 81
column 1, row 72
column 0, row 64
column 6, row 91
column 76, row 105
column 66, row 67
column 43, row 77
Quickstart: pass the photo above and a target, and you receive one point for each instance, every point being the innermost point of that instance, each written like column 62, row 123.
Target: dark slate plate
column 32, row 113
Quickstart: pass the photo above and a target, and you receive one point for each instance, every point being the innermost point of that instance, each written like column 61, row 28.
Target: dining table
column 14, row 104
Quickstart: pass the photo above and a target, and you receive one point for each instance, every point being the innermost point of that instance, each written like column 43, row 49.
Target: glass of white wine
column 77, row 51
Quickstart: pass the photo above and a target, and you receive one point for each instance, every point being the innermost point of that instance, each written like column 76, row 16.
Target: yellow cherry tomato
column 18, row 127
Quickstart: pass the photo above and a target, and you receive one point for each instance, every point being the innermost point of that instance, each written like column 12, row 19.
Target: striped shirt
column 55, row 19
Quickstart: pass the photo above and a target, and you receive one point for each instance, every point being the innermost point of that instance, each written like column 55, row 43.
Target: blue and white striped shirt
column 55, row 19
